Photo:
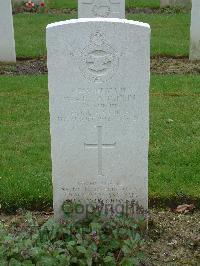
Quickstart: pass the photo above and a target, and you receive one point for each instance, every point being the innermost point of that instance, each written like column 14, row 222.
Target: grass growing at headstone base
column 25, row 165
column 129, row 3
column 170, row 33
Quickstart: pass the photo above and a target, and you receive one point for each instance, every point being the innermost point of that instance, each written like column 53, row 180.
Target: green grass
column 30, row 33
column 129, row 3
column 175, row 137
column 72, row 4
column 170, row 33
column 25, row 179
column 143, row 3
column 25, row 163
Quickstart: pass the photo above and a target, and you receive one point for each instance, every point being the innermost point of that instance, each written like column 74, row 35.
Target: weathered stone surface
column 174, row 3
column 99, row 109
column 7, row 42
column 195, row 31
column 103, row 8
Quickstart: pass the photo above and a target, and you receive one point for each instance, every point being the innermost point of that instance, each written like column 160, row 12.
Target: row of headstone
column 99, row 72
column 195, row 23
column 7, row 42
column 92, row 8
column 116, row 8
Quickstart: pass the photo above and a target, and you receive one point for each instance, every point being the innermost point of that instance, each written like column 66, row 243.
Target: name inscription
column 98, row 104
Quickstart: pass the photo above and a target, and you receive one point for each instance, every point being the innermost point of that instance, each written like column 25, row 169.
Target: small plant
column 96, row 240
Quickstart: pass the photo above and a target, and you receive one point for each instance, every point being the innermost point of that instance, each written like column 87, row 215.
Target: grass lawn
column 129, row 3
column 175, row 137
column 25, row 163
column 170, row 33
column 30, row 33
column 174, row 168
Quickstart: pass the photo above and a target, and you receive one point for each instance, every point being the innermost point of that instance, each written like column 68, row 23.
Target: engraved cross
column 100, row 147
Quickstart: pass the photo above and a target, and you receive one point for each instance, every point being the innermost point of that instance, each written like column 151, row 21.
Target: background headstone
column 7, row 42
column 99, row 109
column 175, row 3
column 195, row 31
column 103, row 8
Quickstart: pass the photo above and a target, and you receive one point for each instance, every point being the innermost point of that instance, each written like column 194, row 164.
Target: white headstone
column 102, row 8
column 7, row 42
column 99, row 109
column 174, row 3
column 195, row 31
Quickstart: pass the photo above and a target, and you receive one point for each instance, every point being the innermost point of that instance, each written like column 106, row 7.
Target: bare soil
column 159, row 65
column 25, row 67
column 167, row 65
column 148, row 10
column 172, row 239
column 22, row 9
column 132, row 10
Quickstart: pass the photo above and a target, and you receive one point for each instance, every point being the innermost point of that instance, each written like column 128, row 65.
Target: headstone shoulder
column 96, row 20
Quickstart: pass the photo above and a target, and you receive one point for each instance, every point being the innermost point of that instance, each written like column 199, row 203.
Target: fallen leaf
column 185, row 208
column 172, row 243
column 170, row 120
